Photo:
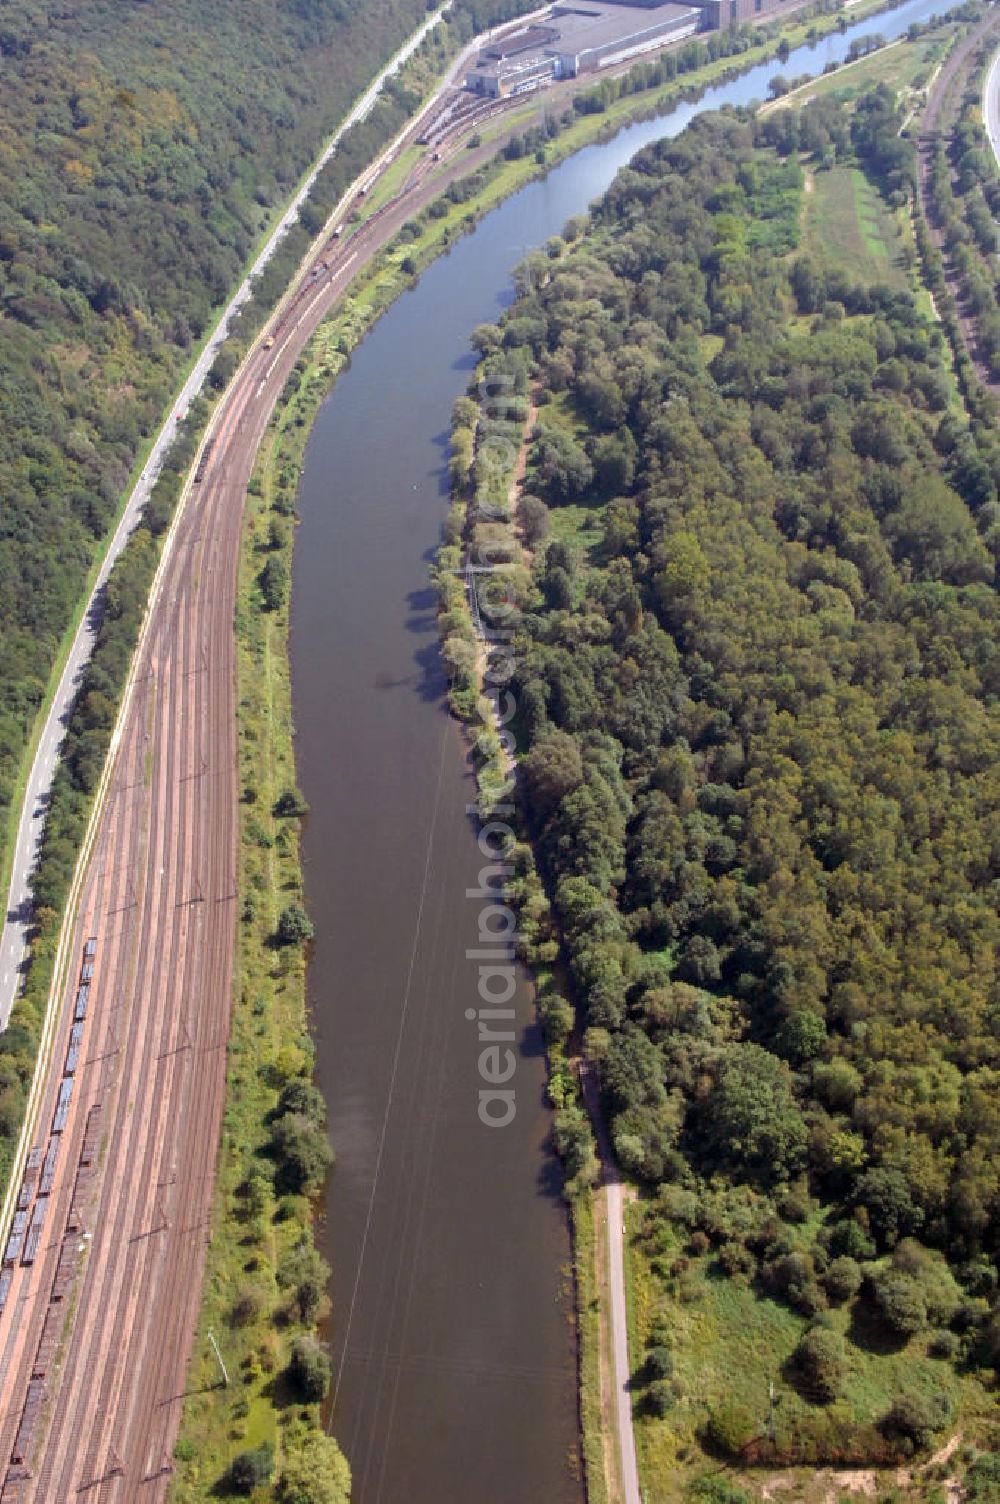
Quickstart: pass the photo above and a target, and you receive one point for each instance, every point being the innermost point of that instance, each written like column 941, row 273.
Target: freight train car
column 62, row 1105
column 30, row 1176
column 16, row 1240
column 34, row 1234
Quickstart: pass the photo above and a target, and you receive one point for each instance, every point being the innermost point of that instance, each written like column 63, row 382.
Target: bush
column 250, row 1469
column 309, row 1369
column 302, row 1153
column 249, row 1302
column 661, row 1397
column 842, row 1280
column 711, row 1489
column 294, row 926
column 821, row 1364
column 290, row 802
column 917, row 1417
column 731, row 1426
column 943, row 1344
column 660, row 1363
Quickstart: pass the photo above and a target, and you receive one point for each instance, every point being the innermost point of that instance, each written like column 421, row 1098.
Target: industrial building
column 718, row 14
column 576, row 38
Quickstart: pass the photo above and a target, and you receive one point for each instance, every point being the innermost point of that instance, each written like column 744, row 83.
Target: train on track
column 25, row 1236
column 40, row 1174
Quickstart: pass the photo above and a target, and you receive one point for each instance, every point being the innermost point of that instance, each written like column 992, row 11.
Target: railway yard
column 102, row 1266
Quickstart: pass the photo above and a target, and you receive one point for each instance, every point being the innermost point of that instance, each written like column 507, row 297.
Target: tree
column 534, row 515
column 750, row 1119
column 917, row 1417
column 273, row 580
column 305, row 1274
column 290, row 803
column 315, row 1473
column 886, row 1196
column 249, row 1469
column 821, row 1363
column 302, row 1152
column 982, row 1481
column 842, row 1280
column 551, row 770
column 660, row 1398
column 294, row 925
column 900, row 1302
column 303, row 1096
column 309, row 1369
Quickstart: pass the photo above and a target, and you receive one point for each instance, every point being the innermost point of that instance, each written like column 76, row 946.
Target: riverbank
column 265, row 1283
column 327, row 355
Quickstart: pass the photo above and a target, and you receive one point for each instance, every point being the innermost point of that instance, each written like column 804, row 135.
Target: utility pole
column 215, row 1349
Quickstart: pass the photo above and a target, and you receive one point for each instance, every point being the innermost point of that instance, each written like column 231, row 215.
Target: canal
column 453, row 1341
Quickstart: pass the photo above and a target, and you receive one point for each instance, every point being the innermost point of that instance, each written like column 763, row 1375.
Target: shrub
column 250, row 1300
column 250, row 1469
column 842, row 1280
column 822, row 1364
column 943, row 1344
column 309, row 1369
column 661, row 1397
column 290, row 802
column 730, row 1428
column 660, row 1363
column 294, row 925
column 711, row 1489
column 916, row 1417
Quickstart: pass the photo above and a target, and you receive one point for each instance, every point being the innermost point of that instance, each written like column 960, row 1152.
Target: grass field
column 848, row 226
column 904, row 66
column 730, row 1344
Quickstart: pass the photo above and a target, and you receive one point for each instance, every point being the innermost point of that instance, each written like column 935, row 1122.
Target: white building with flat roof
column 577, row 36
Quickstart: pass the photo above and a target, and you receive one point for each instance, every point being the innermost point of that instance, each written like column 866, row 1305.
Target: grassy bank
column 264, row 1285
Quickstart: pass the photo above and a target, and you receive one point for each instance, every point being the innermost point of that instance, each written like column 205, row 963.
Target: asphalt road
column 991, row 106
column 14, row 936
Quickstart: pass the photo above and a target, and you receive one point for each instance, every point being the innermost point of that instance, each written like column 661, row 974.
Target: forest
column 145, row 149
column 755, row 669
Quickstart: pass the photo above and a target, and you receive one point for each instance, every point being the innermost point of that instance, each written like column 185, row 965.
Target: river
column 452, row 1333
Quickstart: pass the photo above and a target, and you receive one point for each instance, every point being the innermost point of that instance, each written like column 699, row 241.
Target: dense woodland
column 756, row 672
column 143, row 148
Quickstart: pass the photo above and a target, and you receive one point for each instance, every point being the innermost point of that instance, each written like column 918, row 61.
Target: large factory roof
column 587, row 26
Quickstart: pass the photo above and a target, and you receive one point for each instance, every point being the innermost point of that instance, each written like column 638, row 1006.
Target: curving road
column 14, row 935
column 991, row 106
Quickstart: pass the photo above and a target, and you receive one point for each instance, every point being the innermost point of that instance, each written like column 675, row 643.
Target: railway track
column 936, row 127
column 96, row 1329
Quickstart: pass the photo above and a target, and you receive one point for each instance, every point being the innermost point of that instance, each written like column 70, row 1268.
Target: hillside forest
column 755, row 669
